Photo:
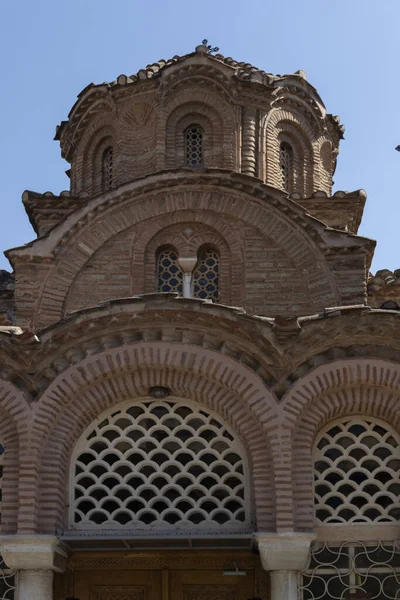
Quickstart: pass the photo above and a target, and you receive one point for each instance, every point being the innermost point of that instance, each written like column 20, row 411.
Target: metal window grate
column 352, row 571
column 206, row 276
column 169, row 272
column 194, row 146
column 7, row 582
column 7, row 576
column 107, row 169
column 286, row 165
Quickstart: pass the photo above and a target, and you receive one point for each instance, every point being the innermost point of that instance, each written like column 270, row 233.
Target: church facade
column 200, row 381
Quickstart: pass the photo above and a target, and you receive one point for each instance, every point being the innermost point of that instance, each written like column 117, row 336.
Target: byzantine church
column 199, row 376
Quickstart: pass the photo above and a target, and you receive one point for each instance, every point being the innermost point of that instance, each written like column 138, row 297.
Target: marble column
column 187, row 264
column 284, row 556
column 35, row 558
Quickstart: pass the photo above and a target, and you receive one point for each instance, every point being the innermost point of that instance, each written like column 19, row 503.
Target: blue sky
column 51, row 49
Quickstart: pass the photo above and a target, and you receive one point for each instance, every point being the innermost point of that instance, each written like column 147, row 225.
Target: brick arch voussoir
column 278, row 115
column 301, row 248
column 215, row 123
column 283, row 121
column 367, row 387
column 187, row 79
column 199, row 96
column 296, row 135
column 214, row 107
column 228, row 388
column 202, row 217
column 100, row 128
column 335, row 375
column 14, row 424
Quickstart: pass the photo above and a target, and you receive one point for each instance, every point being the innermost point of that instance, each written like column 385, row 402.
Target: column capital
column 33, row 552
column 284, row 551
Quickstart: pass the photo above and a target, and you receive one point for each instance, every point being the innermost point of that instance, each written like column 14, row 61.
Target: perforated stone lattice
column 357, row 473
column 160, row 466
column 286, row 165
column 169, row 273
column 194, row 146
column 206, row 276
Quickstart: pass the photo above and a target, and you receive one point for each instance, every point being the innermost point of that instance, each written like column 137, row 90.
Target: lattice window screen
column 107, row 169
column 286, row 165
column 352, row 571
column 1, row 476
column 169, row 272
column 357, row 472
column 7, row 576
column 194, row 145
column 206, row 276
column 160, row 467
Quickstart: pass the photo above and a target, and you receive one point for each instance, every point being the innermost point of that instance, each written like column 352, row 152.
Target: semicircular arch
column 180, row 453
column 363, row 387
column 78, row 396
column 287, row 229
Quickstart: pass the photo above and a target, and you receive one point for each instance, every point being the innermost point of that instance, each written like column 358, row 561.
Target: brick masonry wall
column 315, row 268
column 278, row 433
column 273, row 284
column 275, row 387
column 146, row 123
column 270, row 283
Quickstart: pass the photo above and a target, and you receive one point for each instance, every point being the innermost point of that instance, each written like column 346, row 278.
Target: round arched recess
column 160, row 467
column 77, row 396
column 306, row 248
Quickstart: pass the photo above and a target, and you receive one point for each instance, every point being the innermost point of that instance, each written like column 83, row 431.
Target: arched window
column 162, row 464
column 194, row 146
column 169, row 272
column 357, row 473
column 286, row 166
column 206, row 275
column 107, row 168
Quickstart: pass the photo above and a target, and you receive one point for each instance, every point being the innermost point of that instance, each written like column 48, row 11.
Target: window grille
column 169, row 272
column 7, row 582
column 357, row 473
column 157, row 466
column 194, row 146
column 107, row 169
column 286, row 165
column 1, row 475
column 206, row 276
column 352, row 571
column 7, row 576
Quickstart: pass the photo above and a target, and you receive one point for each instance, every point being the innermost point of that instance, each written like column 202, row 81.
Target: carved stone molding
column 162, row 560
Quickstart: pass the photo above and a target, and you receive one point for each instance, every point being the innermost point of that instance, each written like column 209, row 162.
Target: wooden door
column 117, row 585
column 210, row 585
